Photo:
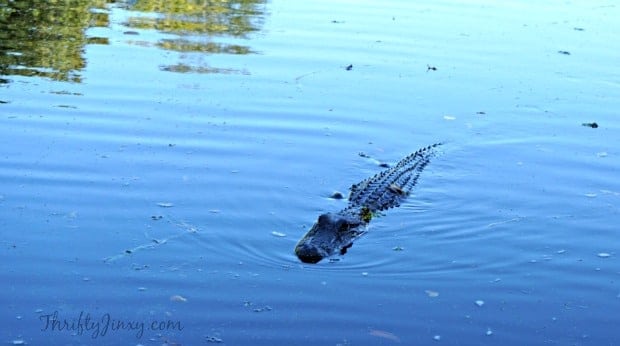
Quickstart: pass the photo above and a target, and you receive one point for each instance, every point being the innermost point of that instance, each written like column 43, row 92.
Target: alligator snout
column 308, row 253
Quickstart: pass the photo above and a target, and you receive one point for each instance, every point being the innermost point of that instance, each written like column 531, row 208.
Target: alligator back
column 389, row 187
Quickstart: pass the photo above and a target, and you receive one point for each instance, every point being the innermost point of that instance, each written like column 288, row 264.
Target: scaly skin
column 335, row 232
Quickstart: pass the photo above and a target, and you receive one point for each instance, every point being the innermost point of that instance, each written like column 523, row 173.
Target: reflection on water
column 197, row 23
column 40, row 38
column 47, row 39
column 234, row 18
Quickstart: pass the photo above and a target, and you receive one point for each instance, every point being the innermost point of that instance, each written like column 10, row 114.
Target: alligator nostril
column 308, row 254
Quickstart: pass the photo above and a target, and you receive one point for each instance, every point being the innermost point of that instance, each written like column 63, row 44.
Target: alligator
column 335, row 232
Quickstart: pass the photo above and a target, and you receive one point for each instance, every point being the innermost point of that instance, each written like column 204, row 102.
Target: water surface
column 159, row 162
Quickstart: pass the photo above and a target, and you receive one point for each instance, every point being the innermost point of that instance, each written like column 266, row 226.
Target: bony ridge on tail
column 334, row 233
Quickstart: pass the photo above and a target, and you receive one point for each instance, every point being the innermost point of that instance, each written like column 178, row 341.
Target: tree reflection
column 236, row 18
column 46, row 38
column 197, row 23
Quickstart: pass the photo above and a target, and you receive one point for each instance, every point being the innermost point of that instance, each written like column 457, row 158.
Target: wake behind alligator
column 335, row 232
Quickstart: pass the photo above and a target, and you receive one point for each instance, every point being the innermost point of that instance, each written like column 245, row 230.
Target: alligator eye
column 343, row 226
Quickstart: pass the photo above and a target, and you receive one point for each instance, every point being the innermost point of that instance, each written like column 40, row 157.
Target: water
column 149, row 152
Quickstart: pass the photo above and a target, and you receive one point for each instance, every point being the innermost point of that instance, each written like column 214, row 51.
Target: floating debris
column 590, row 195
column 592, row 125
column 249, row 304
column 141, row 289
column 603, row 255
column 559, row 252
column 384, row 334
column 481, row 113
column 432, row 294
column 19, row 342
column 366, row 214
column 564, row 52
column 479, row 302
column 214, row 211
column 489, row 332
column 336, row 195
column 178, row 298
column 430, row 68
column 263, row 309
column 165, row 204
column 214, row 339
column 157, row 217
column 437, row 337
column 502, row 222
column 364, row 273
column 363, row 154
column 397, row 248
column 350, row 67
column 278, row 234
column 601, row 154
column 449, row 117
column 397, row 190
column 578, row 29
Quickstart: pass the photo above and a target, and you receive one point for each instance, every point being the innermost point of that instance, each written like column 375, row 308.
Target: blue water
column 165, row 176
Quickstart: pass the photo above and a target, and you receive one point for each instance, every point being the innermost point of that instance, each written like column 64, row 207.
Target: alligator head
column 332, row 233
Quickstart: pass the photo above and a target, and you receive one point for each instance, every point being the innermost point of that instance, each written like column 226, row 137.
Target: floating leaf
column 384, row 334
column 178, row 298
column 432, row 294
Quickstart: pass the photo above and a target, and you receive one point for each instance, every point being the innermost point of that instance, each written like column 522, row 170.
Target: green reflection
column 46, row 38
column 184, row 45
column 219, row 17
column 198, row 23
